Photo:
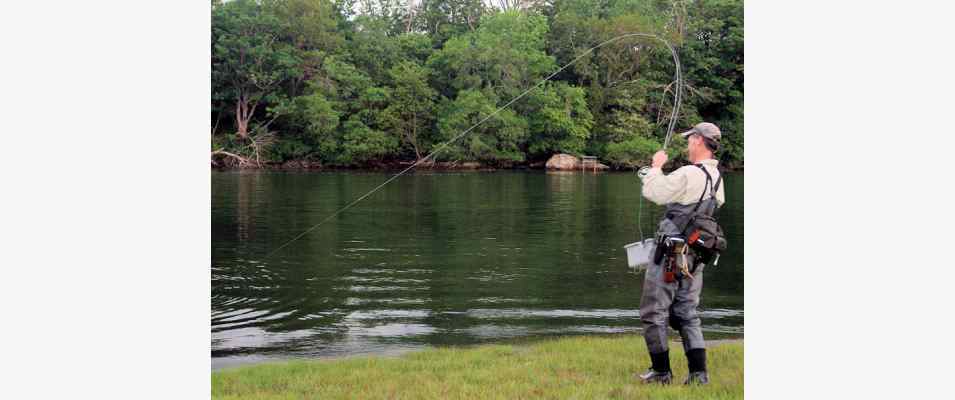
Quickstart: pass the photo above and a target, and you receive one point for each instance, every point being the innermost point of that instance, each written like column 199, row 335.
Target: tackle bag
column 705, row 237
column 702, row 232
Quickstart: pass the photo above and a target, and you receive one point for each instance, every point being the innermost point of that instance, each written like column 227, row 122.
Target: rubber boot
column 696, row 358
column 660, row 370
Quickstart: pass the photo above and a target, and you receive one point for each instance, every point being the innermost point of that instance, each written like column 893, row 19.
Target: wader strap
column 707, row 185
column 719, row 180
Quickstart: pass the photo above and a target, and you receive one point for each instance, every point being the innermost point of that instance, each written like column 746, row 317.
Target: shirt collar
column 710, row 162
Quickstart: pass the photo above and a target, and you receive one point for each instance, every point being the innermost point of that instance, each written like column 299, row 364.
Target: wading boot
column 651, row 376
column 698, row 378
column 696, row 358
column 660, row 371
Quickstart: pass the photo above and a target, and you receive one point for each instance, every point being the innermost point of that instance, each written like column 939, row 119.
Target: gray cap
column 705, row 129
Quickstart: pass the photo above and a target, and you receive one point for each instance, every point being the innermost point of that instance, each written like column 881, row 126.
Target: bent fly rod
column 677, row 99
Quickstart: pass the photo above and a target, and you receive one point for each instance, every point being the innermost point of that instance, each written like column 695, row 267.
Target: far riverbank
column 305, row 165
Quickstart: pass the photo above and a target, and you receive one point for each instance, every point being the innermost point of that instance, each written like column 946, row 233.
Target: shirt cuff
column 651, row 173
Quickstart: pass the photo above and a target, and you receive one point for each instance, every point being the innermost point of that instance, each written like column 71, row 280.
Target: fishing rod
column 678, row 95
column 674, row 115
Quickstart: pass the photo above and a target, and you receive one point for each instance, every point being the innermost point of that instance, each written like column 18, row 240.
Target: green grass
column 568, row 368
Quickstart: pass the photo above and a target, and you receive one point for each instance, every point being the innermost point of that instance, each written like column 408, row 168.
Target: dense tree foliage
column 371, row 82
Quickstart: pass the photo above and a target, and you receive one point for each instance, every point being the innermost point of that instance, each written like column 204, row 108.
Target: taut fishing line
column 676, row 105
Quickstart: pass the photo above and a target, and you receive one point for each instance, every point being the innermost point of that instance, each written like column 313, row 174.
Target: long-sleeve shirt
column 682, row 186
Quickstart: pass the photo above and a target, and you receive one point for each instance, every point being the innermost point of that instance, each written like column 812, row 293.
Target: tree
column 373, row 48
column 411, row 106
column 248, row 59
column 713, row 61
column 312, row 28
column 444, row 19
column 560, row 121
column 362, row 143
column 363, row 139
column 505, row 54
column 393, row 14
column 495, row 63
column 314, row 120
column 497, row 140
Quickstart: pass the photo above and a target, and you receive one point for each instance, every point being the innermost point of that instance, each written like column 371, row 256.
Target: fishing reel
column 643, row 171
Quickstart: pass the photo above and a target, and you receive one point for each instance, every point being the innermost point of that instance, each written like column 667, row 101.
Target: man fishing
column 674, row 278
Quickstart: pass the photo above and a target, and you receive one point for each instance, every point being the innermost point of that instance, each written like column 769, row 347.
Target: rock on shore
column 563, row 162
column 567, row 162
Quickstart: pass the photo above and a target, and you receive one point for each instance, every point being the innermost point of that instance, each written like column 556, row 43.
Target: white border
column 105, row 208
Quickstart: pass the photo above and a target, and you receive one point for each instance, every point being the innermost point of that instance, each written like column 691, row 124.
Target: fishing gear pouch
column 705, row 236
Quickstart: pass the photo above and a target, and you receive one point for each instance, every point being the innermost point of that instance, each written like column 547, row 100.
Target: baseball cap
column 706, row 129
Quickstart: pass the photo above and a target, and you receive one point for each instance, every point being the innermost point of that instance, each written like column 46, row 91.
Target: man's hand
column 659, row 159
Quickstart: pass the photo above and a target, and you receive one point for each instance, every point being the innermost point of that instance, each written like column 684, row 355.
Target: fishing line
column 676, row 104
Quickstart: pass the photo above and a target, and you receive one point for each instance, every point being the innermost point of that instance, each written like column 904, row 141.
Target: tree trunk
column 242, row 117
column 243, row 114
column 216, row 126
column 414, row 137
column 411, row 12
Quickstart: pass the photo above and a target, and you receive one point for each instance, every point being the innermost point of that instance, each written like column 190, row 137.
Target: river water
column 435, row 259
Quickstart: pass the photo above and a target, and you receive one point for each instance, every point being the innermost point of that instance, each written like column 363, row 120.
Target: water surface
column 436, row 259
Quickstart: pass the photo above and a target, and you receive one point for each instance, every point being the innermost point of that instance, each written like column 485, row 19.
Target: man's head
column 702, row 141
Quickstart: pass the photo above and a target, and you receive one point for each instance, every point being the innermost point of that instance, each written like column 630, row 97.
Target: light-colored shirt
column 684, row 186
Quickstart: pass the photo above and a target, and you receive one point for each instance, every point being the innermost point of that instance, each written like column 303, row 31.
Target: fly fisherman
column 674, row 278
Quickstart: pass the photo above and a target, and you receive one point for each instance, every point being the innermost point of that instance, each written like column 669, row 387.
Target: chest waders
column 671, row 287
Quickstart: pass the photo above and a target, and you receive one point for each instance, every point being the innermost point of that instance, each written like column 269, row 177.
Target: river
column 436, row 258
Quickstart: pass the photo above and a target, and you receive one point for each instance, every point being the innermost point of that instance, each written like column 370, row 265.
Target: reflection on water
column 435, row 259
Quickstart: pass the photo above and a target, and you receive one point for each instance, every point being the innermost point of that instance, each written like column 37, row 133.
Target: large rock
column 563, row 162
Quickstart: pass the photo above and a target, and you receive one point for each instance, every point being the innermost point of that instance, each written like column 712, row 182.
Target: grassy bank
column 577, row 367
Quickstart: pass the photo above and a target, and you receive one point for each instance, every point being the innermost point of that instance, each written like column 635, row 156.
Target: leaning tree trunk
column 243, row 114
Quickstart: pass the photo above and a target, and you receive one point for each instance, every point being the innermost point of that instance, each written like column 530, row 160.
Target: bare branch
column 243, row 162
